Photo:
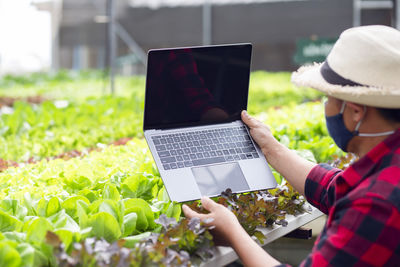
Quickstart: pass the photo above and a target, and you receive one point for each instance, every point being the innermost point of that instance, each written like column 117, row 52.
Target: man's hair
column 390, row 114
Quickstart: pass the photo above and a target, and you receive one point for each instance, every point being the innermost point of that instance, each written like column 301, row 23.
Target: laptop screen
column 196, row 85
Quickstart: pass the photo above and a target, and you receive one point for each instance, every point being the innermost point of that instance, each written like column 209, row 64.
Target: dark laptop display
column 195, row 86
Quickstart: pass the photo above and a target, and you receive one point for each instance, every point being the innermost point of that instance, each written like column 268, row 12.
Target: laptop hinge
column 191, row 126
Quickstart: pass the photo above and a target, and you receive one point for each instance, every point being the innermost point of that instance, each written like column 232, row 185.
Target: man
column 361, row 78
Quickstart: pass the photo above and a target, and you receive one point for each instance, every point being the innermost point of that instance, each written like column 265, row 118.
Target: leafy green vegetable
column 9, row 256
column 130, row 221
column 261, row 208
column 70, row 205
column 9, row 223
column 104, row 225
column 36, row 132
column 171, row 247
column 36, row 229
column 137, row 204
column 12, row 207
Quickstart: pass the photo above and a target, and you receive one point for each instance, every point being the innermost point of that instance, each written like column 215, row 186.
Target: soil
column 9, row 101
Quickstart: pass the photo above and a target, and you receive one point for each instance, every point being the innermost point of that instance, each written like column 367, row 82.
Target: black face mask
column 341, row 135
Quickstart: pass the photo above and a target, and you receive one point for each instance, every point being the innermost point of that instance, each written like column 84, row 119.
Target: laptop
column 192, row 124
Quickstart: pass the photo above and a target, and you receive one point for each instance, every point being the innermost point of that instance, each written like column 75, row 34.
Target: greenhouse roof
column 176, row 3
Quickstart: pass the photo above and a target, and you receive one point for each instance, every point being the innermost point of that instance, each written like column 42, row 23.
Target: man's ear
column 357, row 111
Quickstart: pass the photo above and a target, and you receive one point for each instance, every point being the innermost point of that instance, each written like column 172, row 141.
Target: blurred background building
column 283, row 32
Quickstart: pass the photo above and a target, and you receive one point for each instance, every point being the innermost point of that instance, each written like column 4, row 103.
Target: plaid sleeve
column 360, row 233
column 320, row 186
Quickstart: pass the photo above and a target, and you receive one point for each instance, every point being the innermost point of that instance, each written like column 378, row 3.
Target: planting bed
column 78, row 186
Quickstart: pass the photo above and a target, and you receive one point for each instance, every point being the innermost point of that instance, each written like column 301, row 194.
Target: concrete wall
column 273, row 28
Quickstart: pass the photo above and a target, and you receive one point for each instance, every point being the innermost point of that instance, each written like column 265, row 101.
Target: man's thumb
column 208, row 204
column 249, row 121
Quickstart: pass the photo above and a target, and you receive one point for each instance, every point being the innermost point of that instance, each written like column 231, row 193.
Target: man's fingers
column 189, row 213
column 249, row 121
column 208, row 204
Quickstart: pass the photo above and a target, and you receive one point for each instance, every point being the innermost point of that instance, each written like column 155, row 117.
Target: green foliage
column 275, row 90
column 261, row 208
column 47, row 130
column 344, row 161
column 54, row 212
column 69, row 85
column 85, row 118
column 104, row 225
column 9, row 255
column 47, row 78
column 112, row 194
column 102, row 209
column 302, row 127
column 9, row 222
column 178, row 244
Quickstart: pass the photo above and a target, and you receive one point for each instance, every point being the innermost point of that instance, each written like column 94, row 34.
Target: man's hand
column 224, row 221
column 228, row 232
column 260, row 133
column 291, row 166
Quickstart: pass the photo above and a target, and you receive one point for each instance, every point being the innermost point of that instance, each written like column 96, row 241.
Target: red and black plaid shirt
column 363, row 208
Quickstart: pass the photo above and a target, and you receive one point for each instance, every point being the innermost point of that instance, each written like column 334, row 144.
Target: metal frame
column 226, row 255
column 359, row 5
column 112, row 42
column 207, row 23
column 124, row 35
column 397, row 14
column 116, row 29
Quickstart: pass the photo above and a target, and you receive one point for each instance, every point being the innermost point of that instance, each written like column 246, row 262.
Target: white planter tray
column 226, row 255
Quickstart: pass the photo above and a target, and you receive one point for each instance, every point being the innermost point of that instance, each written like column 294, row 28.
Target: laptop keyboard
column 198, row 148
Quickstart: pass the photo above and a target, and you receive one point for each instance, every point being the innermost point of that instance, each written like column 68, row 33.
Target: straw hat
column 363, row 67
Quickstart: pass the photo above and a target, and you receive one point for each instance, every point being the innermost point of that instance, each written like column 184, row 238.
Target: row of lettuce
column 113, row 192
column 78, row 115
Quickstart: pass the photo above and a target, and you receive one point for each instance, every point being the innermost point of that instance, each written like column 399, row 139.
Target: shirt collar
column 363, row 167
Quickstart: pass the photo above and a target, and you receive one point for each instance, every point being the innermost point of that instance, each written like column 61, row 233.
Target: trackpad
column 214, row 179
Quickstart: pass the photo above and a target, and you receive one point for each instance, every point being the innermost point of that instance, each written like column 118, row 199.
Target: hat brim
column 310, row 76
